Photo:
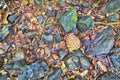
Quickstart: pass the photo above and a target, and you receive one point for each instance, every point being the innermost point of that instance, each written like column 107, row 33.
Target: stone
column 113, row 18
column 50, row 12
column 31, row 34
column 72, row 62
column 54, row 75
column 102, row 43
column 108, row 76
column 58, row 37
column 115, row 59
column 72, row 42
column 85, row 23
column 85, row 64
column 4, row 32
column 34, row 71
column 111, row 7
column 19, row 55
column 47, row 38
column 38, row 2
column 68, row 20
column 62, row 54
column 13, row 18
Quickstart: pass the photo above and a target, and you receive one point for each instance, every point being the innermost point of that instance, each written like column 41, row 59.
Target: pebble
column 62, row 54
column 47, row 38
column 58, row 37
column 111, row 7
column 4, row 32
column 33, row 71
column 13, row 18
column 85, row 64
column 113, row 18
column 1, row 61
column 85, row 23
column 72, row 42
column 19, row 55
column 39, row 2
column 68, row 20
column 55, row 75
column 50, row 12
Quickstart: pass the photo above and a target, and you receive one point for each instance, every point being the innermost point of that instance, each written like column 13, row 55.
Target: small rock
column 33, row 71
column 108, row 76
column 58, row 37
column 85, row 23
column 47, row 39
column 13, row 18
column 31, row 34
column 113, row 18
column 87, row 4
column 115, row 59
column 4, row 32
column 38, row 2
column 62, row 3
column 72, row 41
column 111, row 6
column 41, row 20
column 19, row 55
column 62, row 54
column 72, row 62
column 50, row 12
column 68, row 20
column 55, row 75
column 75, row 31
column 85, row 64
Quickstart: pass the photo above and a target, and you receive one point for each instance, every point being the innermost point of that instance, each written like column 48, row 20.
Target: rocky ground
column 59, row 39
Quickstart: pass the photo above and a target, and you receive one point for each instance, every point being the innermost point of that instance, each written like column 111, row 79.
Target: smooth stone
column 47, row 39
column 19, row 55
column 85, row 23
column 85, row 64
column 41, row 20
column 111, row 7
column 31, row 34
column 13, row 18
column 4, row 32
column 72, row 42
column 68, row 20
column 34, row 71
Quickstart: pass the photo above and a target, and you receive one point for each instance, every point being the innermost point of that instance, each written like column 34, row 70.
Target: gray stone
column 47, row 38
column 33, row 71
column 85, row 64
column 4, row 32
column 13, row 18
column 19, row 55
column 102, row 43
column 111, row 6
column 68, row 20
column 85, row 23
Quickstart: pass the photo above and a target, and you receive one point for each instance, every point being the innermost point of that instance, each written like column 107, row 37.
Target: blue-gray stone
column 68, row 20
column 55, row 75
column 33, row 71
column 102, row 43
column 47, row 39
column 85, row 64
column 113, row 18
column 1, row 61
column 58, row 37
column 38, row 2
column 4, row 32
column 13, row 18
column 85, row 23
column 111, row 6
column 62, row 54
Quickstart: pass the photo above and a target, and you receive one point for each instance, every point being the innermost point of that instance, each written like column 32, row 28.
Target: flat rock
column 33, row 71
column 68, row 20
